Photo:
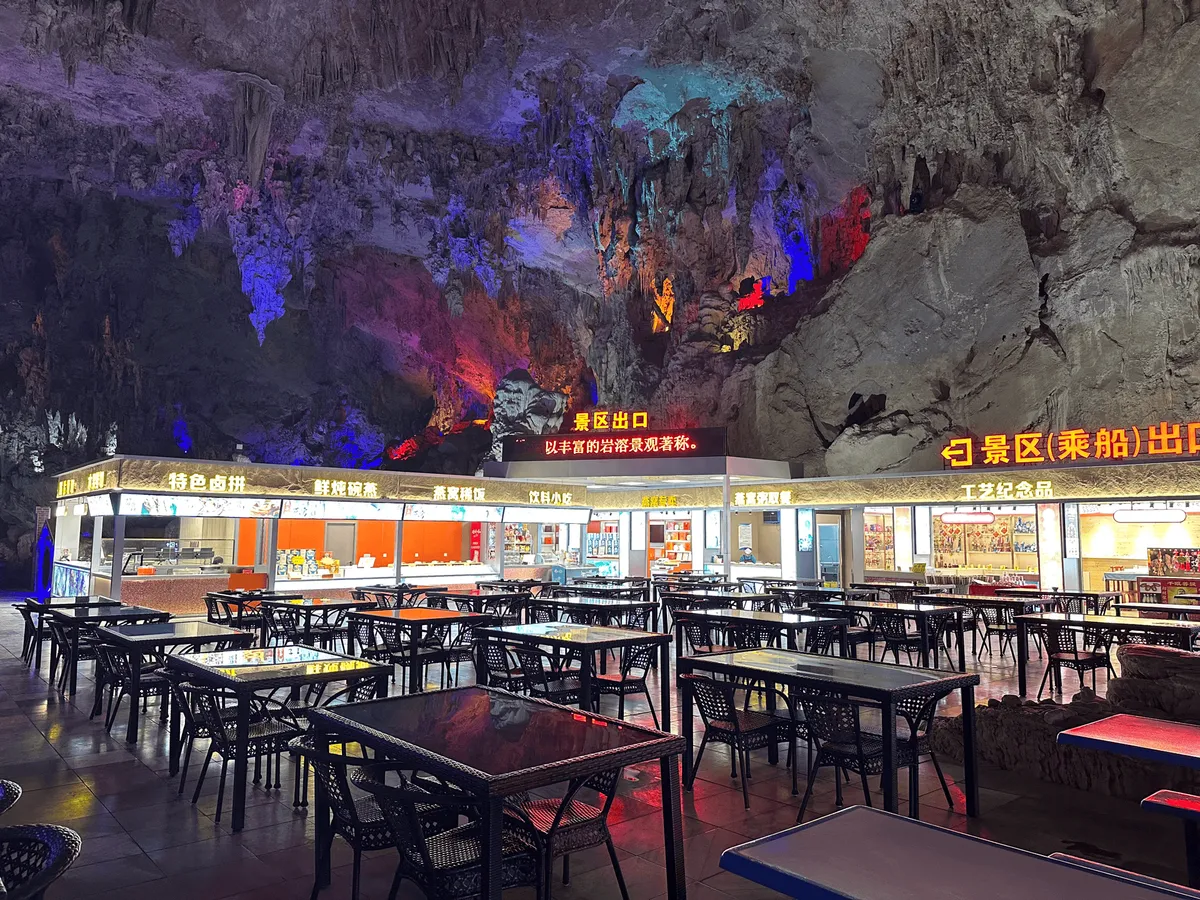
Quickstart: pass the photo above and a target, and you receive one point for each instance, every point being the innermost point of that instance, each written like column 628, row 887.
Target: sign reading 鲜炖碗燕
column 1164, row 441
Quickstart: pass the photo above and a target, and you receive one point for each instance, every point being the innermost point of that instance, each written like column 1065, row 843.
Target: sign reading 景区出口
column 1166, row 440
column 611, row 420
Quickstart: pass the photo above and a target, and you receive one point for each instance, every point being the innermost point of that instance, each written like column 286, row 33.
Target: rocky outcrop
column 1021, row 736
column 522, row 407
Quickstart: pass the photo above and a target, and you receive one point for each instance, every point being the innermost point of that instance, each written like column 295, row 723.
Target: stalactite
column 253, row 109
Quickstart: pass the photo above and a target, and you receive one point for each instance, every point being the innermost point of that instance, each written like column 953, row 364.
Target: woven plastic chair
column 562, row 826
column 10, row 793
column 833, row 723
column 741, row 730
column 1062, row 652
column 446, row 863
column 115, row 676
column 543, row 680
column 893, row 628
column 33, row 857
column 998, row 621
column 636, row 663
column 29, row 635
column 499, row 669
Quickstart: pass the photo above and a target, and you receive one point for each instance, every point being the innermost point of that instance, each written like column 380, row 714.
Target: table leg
column 74, row 660
column 890, row 791
column 923, row 624
column 586, row 664
column 974, row 634
column 970, row 762
column 1022, row 656
column 349, row 637
column 381, row 686
column 323, row 824
column 791, row 638
column 678, row 626
column 664, row 677
column 1191, row 847
column 240, row 763
column 414, row 636
column 493, row 822
column 772, row 748
column 686, row 723
column 175, row 742
column 37, row 653
column 844, row 641
column 135, row 694
column 672, row 829
column 962, row 643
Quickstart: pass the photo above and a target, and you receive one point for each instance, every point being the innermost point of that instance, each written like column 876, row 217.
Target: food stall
column 163, row 533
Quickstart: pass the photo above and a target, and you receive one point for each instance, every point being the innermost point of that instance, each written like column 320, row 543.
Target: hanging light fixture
column 1149, row 516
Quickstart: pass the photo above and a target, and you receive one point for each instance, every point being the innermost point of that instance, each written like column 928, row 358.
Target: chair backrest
column 918, row 713
column 746, row 637
column 543, row 614
column 892, row 625
column 533, row 666
column 714, row 699
column 389, row 634
column 821, row 638
column 332, row 776
column 202, row 708
column 698, row 635
column 364, row 634
column 10, row 793
column 358, row 691
column 496, row 659
column 32, row 857
column 398, row 803
column 831, row 717
column 997, row 617
column 1073, row 606
column 637, row 659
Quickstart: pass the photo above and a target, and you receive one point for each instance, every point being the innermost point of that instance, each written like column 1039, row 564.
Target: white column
column 787, row 543
column 271, row 551
column 699, row 540
column 727, row 548
column 118, row 556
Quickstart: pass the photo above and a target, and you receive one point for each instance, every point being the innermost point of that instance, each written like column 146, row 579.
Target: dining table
column 859, row 853
column 310, row 608
column 588, row 640
column 788, row 624
column 154, row 638
column 1090, row 602
column 493, row 745
column 928, row 617
column 414, row 620
column 37, row 606
column 76, row 619
column 878, row 683
column 244, row 673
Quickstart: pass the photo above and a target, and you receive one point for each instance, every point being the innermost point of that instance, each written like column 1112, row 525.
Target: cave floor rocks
column 143, row 840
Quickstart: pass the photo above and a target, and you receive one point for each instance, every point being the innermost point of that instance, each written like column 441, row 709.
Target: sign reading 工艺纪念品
column 1166, row 440
column 645, row 445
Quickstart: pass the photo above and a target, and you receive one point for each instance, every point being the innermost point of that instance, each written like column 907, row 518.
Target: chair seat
column 461, row 848
column 615, row 682
column 541, row 813
column 749, row 721
column 1083, row 657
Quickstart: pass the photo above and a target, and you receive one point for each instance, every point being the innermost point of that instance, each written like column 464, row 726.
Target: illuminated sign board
column 762, row 498
column 997, row 491
column 669, row 501
column 551, row 498
column 611, row 420
column 95, row 481
column 1166, row 440
column 646, row 445
column 456, row 493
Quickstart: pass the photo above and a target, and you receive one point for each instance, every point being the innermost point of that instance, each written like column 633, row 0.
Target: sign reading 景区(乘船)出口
column 1166, row 440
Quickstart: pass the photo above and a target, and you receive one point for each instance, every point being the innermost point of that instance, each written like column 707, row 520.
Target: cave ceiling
column 845, row 229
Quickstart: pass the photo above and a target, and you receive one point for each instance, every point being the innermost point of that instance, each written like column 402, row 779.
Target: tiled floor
column 142, row 840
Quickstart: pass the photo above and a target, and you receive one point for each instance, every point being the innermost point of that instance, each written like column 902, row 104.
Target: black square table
column 600, row 608
column 415, row 619
column 921, row 612
column 590, row 639
column 76, row 618
column 245, row 672
column 1168, row 610
column 494, row 744
column 155, row 637
column 1017, row 605
column 867, row 854
column 1124, row 628
column 785, row 623
column 483, row 600
column 1094, row 602
column 37, row 608
column 308, row 607
column 244, row 601
column 856, row 678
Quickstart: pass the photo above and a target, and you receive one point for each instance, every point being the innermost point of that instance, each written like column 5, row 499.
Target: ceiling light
column 632, row 483
column 675, row 481
column 968, row 518
column 1149, row 516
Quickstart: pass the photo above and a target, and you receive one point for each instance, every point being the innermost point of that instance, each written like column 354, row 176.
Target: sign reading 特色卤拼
column 1164, row 441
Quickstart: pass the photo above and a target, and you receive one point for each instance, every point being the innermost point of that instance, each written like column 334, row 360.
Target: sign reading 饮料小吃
column 1164, row 441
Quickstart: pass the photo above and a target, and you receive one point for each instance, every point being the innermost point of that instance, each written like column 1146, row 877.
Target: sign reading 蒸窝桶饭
column 1164, row 441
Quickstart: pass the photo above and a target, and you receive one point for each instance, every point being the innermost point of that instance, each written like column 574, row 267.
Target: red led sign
column 644, row 445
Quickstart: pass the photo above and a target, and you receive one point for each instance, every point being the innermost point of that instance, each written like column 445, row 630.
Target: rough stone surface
column 1021, row 736
column 318, row 228
column 521, row 407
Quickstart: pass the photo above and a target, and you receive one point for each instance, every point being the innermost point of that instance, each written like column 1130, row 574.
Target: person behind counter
column 747, row 556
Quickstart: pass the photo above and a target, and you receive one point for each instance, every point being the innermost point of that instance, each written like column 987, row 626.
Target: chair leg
column 699, row 756
column 399, row 877
column 650, row 703
column 862, row 776
column 942, row 778
column 745, row 770
column 321, row 859
column 567, row 868
column 812, row 776
column 187, row 759
column 203, row 772
column 357, row 875
column 914, row 791
column 612, row 854
column 221, row 788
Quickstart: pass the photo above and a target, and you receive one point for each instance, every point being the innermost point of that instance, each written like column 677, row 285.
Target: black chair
column 741, row 730
column 61, row 654
column 33, row 857
column 267, row 737
column 367, row 643
column 544, row 680
column 1063, row 652
column 283, row 626
column 893, row 628
column 10, row 793
column 431, row 650
column 700, row 639
column 218, row 611
column 115, row 676
column 499, row 669
column 833, row 723
column 823, row 639
column 636, row 663
column 566, row 825
column 997, row 621
column 29, row 635
column 446, row 864
column 917, row 713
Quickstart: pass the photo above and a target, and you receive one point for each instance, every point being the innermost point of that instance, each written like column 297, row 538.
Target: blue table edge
column 776, row 879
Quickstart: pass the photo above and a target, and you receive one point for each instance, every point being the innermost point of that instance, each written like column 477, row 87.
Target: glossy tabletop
column 101, row 613
column 1156, row 740
column 1170, row 609
column 154, row 634
column 492, row 740
column 869, row 679
column 568, row 635
column 785, row 620
column 1018, row 591
column 711, row 592
column 590, row 588
column 481, row 593
column 67, row 602
column 276, row 666
column 868, row 854
column 583, row 600
column 418, row 614
column 825, row 591
column 316, row 603
column 1115, row 622
column 241, row 597
column 942, row 609
column 980, row 600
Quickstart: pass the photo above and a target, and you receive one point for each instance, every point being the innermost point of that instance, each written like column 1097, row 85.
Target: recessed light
column 632, row 483
column 675, row 481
